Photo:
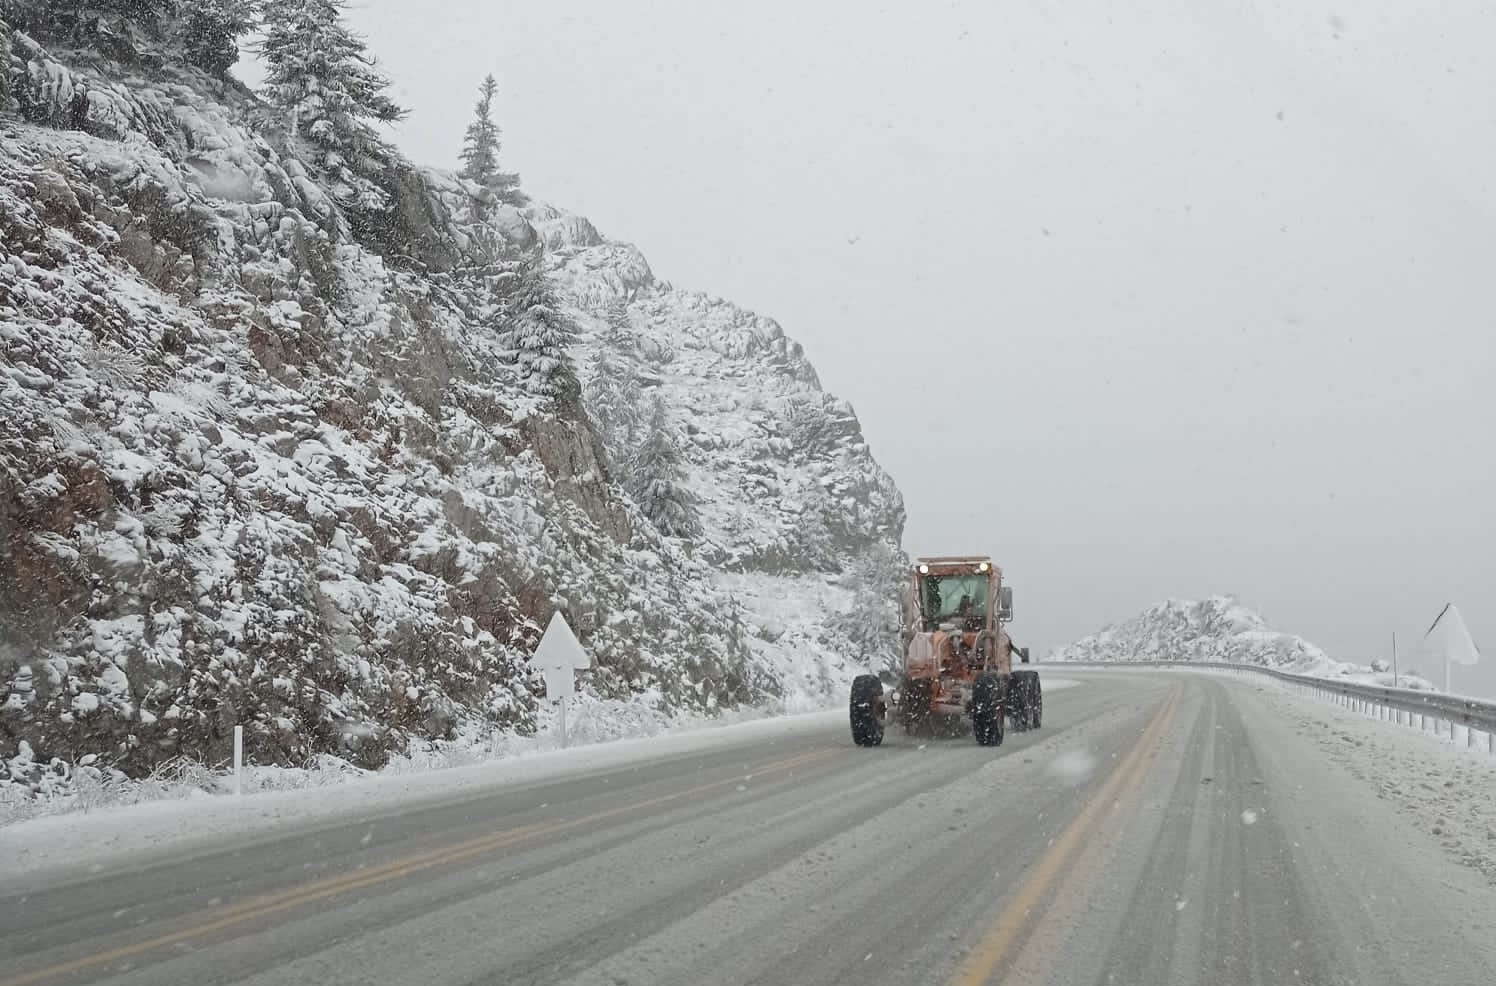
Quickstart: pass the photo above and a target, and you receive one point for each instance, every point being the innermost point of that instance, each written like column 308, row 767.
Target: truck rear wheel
column 1024, row 700
column 987, row 709
column 867, row 710
column 1036, row 702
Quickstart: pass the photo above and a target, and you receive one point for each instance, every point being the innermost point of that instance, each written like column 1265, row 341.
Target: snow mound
column 1221, row 630
column 1218, row 629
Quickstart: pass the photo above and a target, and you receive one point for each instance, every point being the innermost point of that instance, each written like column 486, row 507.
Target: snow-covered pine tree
column 658, row 478
column 321, row 76
column 480, row 154
column 617, row 317
column 210, row 32
column 5, row 30
column 871, row 626
column 613, row 397
column 619, row 335
column 537, row 332
column 125, row 30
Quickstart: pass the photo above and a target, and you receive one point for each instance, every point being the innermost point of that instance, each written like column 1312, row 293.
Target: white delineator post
column 238, row 760
column 559, row 656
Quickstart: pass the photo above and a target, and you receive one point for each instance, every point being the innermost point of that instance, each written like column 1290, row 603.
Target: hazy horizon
column 1210, row 283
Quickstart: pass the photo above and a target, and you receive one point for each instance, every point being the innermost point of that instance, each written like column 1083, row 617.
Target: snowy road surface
column 1160, row 828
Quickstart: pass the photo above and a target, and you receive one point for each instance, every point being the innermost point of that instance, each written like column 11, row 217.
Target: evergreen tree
column 124, row 30
column 320, row 74
column 4, row 56
column 871, row 626
column 617, row 317
column 480, row 154
column 613, row 396
column 619, row 335
column 211, row 30
column 658, row 479
column 537, row 333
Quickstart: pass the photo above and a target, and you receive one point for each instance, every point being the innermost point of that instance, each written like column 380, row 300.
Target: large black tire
column 1024, row 701
column 1036, row 703
column 867, row 710
column 987, row 696
column 1016, row 705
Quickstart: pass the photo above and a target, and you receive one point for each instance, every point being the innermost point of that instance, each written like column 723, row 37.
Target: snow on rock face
column 1216, row 629
column 797, row 517
column 784, row 478
column 254, row 472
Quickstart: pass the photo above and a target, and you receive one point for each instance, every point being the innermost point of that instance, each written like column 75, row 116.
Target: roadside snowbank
column 90, row 841
column 1437, row 782
column 145, row 823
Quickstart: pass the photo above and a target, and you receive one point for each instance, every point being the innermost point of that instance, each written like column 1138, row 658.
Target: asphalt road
column 1159, row 829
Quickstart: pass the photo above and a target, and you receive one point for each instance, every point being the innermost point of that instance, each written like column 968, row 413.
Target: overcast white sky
column 1214, row 281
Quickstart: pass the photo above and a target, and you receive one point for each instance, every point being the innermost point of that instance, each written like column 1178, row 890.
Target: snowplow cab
column 955, row 614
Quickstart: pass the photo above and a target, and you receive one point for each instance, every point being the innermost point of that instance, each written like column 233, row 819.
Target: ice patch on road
column 1072, row 767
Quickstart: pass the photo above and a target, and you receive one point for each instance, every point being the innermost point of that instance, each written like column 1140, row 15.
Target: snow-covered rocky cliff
column 262, row 466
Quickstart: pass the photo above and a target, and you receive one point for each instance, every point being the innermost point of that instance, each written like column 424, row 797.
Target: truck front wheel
column 987, row 709
column 867, row 710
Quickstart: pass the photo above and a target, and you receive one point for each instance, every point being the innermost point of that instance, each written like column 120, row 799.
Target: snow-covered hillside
column 260, row 466
column 1218, row 629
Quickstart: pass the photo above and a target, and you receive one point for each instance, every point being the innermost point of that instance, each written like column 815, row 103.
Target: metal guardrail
column 1402, row 705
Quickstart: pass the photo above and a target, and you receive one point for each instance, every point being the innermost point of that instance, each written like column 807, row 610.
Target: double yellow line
column 308, row 893
column 1023, row 909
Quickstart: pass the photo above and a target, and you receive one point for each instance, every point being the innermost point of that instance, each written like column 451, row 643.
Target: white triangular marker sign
column 557, row 656
column 1448, row 639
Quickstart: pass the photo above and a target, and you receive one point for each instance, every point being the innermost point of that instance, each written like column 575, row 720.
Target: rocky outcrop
column 258, row 468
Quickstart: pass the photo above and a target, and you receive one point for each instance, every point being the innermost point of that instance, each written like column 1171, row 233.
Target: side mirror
column 1023, row 655
column 1005, row 604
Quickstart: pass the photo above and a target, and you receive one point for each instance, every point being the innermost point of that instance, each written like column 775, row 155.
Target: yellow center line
column 269, row 904
column 990, row 950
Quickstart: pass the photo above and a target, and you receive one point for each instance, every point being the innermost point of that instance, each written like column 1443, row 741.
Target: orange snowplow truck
column 958, row 660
